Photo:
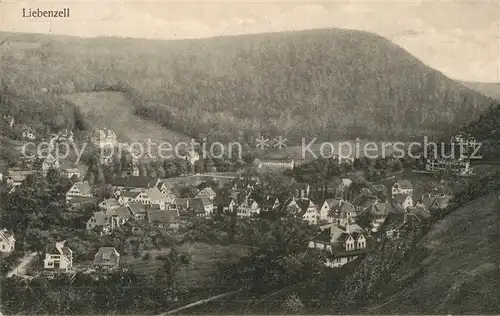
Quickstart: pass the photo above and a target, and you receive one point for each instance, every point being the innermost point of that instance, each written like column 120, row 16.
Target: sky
column 459, row 38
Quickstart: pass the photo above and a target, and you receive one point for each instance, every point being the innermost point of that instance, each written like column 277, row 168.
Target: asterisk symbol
column 280, row 142
column 262, row 142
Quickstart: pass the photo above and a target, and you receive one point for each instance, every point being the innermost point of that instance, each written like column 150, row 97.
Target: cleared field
column 203, row 266
column 113, row 110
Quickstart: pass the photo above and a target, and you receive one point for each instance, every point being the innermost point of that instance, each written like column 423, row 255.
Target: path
column 200, row 302
column 20, row 270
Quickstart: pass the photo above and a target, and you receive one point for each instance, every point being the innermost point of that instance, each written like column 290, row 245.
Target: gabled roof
column 142, row 182
column 420, row 213
column 346, row 207
column 130, row 194
column 208, row 191
column 58, row 248
column 333, row 202
column 404, row 184
column 137, row 208
column 364, row 201
column 84, row 187
column 304, row 204
column 101, row 218
column 163, row 216
column 110, row 203
column 400, row 198
column 155, row 194
column 107, row 256
column 121, row 212
column 394, row 221
column 379, row 209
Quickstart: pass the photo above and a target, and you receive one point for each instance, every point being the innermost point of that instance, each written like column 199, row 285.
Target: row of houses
column 344, row 240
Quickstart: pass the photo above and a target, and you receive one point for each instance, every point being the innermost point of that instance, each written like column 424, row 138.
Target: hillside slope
column 111, row 109
column 330, row 83
column 453, row 268
column 490, row 89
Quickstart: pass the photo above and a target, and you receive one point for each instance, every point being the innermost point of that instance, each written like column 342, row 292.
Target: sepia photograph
column 249, row 158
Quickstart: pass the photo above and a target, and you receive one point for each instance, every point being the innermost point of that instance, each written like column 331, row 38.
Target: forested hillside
column 329, row 83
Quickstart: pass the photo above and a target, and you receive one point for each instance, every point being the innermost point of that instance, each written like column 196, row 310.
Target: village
column 349, row 222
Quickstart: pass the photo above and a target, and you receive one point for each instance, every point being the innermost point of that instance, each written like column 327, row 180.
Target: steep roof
column 84, row 187
column 404, row 184
column 107, row 256
column 121, row 212
column 379, row 209
column 333, row 202
column 400, row 198
column 208, row 191
column 101, row 218
column 130, row 194
column 142, row 182
column 155, row 194
column 346, row 207
column 364, row 201
column 137, row 208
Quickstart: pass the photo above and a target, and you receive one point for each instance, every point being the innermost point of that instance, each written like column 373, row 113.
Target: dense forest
column 325, row 83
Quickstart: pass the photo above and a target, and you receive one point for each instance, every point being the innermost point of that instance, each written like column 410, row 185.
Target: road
column 20, row 269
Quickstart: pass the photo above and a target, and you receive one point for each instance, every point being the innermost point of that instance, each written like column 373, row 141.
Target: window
column 3, row 246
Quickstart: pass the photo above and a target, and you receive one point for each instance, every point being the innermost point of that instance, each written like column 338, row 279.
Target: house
column 464, row 140
column 79, row 202
column 379, row 212
column 109, row 204
column 249, row 207
column 134, row 182
column 44, row 163
column 164, row 218
column 434, row 202
column 58, row 257
column 131, row 170
column 104, row 138
column 329, row 206
column 137, row 209
column 15, row 177
column 344, row 244
column 274, row 164
column 82, row 189
column 363, row 202
column 461, row 167
column 70, row 172
column 404, row 200
column 223, row 202
column 100, row 220
column 7, row 241
column 402, row 187
column 194, row 207
column 342, row 212
column 167, row 192
column 155, row 196
column 119, row 216
column 107, row 258
column 305, row 209
column 129, row 196
column 208, row 192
